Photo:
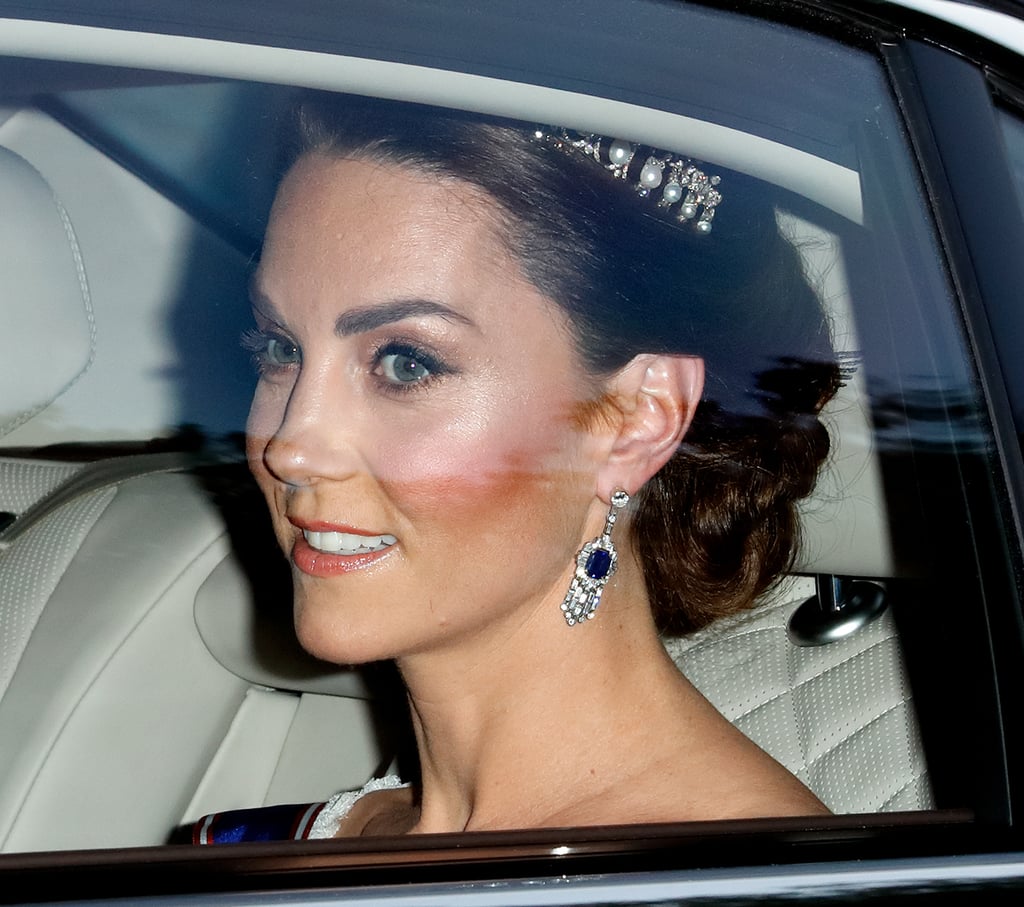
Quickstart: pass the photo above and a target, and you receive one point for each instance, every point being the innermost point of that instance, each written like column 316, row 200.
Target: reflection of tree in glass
column 940, row 417
column 798, row 384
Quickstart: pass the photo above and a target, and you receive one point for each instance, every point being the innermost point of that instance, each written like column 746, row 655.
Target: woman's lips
column 333, row 542
column 325, row 550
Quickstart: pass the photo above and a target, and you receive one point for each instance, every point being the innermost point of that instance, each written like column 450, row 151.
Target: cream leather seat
column 110, row 703
column 117, row 710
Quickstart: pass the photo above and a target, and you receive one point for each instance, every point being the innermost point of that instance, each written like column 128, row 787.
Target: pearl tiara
column 681, row 181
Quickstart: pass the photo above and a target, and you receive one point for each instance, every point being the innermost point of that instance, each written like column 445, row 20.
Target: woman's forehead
column 365, row 213
column 354, row 232
column 383, row 192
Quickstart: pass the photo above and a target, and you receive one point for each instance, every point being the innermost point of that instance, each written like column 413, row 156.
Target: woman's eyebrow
column 261, row 302
column 361, row 320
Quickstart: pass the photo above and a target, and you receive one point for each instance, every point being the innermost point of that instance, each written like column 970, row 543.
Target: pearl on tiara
column 620, row 153
column 680, row 180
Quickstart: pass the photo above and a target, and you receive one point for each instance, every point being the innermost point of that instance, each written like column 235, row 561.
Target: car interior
column 148, row 672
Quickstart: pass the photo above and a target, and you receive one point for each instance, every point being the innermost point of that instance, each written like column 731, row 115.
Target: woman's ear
column 656, row 396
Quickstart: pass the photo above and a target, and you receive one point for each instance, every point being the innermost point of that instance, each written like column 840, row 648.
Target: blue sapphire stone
column 598, row 564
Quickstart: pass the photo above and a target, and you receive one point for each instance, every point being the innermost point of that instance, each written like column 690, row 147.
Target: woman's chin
column 333, row 639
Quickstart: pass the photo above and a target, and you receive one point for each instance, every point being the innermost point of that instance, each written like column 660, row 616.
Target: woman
column 500, row 386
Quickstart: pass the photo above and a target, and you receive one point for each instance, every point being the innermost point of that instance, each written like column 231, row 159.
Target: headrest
column 247, row 626
column 49, row 333
column 845, row 526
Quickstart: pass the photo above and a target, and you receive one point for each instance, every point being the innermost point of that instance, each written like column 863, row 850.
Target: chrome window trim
column 828, row 184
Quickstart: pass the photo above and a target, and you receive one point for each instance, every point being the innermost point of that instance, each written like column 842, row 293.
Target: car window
column 1013, row 132
column 1013, row 137
column 151, row 669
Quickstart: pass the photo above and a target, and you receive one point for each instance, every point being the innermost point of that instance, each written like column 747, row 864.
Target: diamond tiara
column 680, row 180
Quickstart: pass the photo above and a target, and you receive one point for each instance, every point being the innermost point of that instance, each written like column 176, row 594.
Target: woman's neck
column 521, row 724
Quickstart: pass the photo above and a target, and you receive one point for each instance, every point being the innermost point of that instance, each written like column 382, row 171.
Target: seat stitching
column 917, row 777
column 90, row 315
column 737, row 629
column 801, row 732
column 70, row 709
column 807, row 680
column 859, row 730
column 824, row 671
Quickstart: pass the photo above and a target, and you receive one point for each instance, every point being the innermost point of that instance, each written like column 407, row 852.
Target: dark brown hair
column 718, row 524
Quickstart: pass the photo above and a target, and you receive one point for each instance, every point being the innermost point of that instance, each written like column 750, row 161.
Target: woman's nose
column 287, row 458
column 313, row 440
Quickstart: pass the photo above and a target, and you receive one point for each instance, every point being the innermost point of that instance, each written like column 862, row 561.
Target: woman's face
column 416, row 427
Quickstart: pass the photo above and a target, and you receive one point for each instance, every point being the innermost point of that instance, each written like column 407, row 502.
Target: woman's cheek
column 261, row 426
column 262, row 423
column 476, row 463
column 259, row 429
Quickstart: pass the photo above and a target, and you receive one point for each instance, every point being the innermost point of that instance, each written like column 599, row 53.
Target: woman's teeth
column 347, row 543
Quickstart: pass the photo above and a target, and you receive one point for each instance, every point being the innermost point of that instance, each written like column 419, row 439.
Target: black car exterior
column 960, row 104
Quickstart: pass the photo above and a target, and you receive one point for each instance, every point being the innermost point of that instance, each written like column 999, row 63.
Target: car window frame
column 945, row 98
column 912, row 67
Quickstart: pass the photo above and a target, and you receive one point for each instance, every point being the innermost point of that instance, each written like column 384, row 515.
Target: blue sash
column 266, row 823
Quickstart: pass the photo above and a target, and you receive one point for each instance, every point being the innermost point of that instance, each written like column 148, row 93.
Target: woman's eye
column 403, row 366
column 271, row 351
column 281, row 352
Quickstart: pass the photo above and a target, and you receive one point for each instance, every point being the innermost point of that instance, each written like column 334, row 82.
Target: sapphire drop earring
column 595, row 565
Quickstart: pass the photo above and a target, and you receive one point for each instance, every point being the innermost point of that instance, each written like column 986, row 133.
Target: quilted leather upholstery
column 23, row 482
column 30, row 571
column 839, row 717
column 46, row 294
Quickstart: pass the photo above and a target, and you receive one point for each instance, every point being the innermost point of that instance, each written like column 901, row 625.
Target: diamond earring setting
column 595, row 565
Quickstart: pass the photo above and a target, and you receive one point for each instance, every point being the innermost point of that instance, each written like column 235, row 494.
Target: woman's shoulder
column 731, row 779
column 673, row 797
column 706, row 770
column 329, row 819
